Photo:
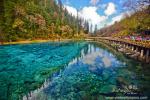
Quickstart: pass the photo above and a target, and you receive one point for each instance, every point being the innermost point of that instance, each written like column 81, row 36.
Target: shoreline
column 38, row 41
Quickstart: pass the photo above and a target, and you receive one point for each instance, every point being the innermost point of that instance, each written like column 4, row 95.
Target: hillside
column 36, row 19
column 138, row 24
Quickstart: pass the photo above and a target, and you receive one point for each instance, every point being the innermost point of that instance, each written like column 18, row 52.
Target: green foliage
column 36, row 19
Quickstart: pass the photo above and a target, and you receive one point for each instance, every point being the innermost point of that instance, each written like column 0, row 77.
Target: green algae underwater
column 73, row 70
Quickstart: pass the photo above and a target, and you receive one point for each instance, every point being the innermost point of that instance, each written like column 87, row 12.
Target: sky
column 97, row 12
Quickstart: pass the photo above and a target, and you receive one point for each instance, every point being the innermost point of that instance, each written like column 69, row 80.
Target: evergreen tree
column 91, row 28
column 95, row 30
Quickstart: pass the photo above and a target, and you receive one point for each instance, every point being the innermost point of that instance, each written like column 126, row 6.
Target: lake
column 71, row 71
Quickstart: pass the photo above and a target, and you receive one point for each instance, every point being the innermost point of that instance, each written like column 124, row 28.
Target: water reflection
column 95, row 74
column 24, row 67
column 74, row 70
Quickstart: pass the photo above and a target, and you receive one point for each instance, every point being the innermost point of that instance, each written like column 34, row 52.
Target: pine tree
column 95, row 30
column 91, row 28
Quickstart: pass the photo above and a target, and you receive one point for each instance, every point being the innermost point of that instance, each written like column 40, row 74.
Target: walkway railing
column 145, row 43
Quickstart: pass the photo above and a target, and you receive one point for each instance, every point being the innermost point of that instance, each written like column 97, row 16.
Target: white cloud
column 71, row 10
column 111, row 9
column 120, row 17
column 94, row 2
column 90, row 58
column 107, row 61
column 117, row 18
column 88, row 13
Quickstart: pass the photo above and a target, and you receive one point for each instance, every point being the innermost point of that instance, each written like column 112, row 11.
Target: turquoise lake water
column 74, row 70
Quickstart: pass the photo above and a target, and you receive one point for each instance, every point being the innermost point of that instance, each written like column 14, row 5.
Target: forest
column 38, row 19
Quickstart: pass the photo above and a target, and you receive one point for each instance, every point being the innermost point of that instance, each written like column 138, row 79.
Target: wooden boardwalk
column 143, row 44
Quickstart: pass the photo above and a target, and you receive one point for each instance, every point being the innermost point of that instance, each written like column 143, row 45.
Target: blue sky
column 100, row 12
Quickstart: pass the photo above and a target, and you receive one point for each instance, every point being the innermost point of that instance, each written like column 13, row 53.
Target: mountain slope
column 134, row 25
column 36, row 19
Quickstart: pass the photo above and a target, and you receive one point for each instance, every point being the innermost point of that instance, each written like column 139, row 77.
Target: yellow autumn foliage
column 17, row 23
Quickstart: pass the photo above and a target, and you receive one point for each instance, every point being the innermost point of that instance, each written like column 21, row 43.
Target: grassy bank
column 40, row 41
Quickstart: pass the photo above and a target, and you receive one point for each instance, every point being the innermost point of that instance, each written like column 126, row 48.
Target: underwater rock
column 101, row 97
column 112, row 81
column 106, row 75
column 122, row 81
column 71, row 95
column 108, row 88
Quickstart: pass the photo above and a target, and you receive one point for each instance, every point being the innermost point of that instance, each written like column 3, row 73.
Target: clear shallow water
column 76, row 70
